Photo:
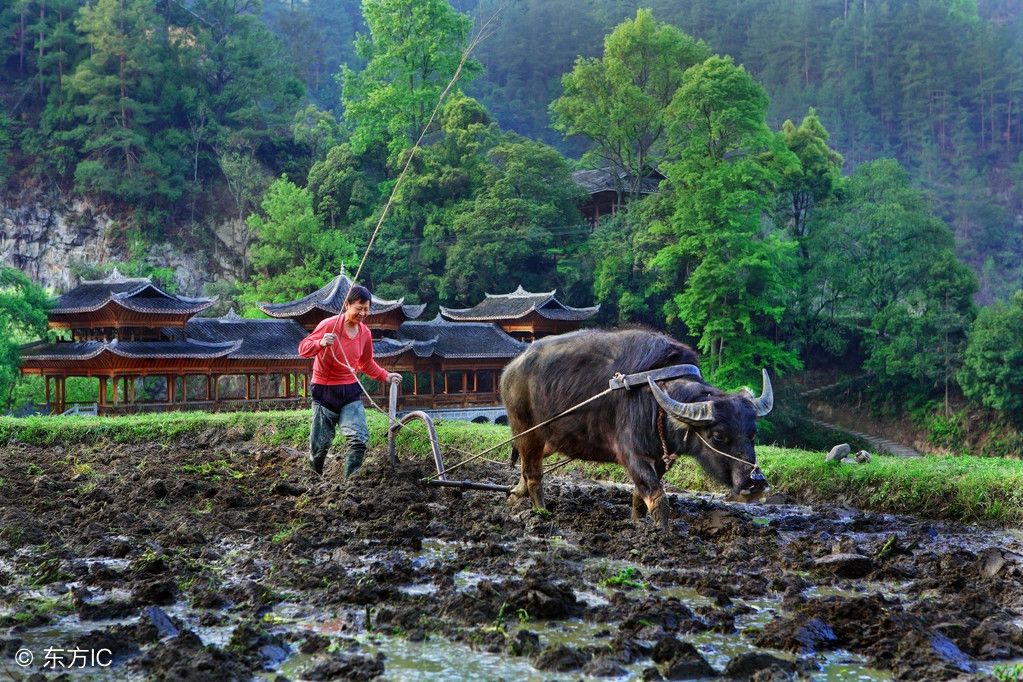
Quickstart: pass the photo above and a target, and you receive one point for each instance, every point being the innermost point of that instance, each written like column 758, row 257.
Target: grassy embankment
column 957, row 488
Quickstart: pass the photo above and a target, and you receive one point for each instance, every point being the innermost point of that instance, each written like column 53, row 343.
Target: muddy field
column 214, row 560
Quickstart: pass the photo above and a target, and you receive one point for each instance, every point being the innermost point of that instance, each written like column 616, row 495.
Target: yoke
column 661, row 374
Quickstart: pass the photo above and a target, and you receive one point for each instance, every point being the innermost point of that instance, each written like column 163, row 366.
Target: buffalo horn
column 765, row 402
column 697, row 414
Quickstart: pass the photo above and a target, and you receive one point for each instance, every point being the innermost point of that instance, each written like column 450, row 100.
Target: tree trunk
column 39, row 66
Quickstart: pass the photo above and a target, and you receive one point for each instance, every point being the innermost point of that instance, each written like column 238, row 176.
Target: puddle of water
column 843, row 666
column 764, row 611
column 436, row 550
column 591, row 599
column 50, row 642
column 467, row 580
column 433, row 660
column 858, row 589
column 687, row 595
column 418, row 589
column 217, row 635
column 719, row 648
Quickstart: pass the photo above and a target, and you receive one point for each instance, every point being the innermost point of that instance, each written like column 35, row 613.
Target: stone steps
column 881, row 444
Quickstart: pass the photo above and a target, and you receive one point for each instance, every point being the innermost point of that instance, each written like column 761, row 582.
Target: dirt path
column 221, row 560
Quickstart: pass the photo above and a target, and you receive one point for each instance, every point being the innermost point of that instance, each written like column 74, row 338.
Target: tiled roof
column 519, row 303
column 204, row 337
column 329, row 299
column 137, row 294
column 257, row 339
column 457, row 339
column 389, row 348
column 610, row 179
column 86, row 350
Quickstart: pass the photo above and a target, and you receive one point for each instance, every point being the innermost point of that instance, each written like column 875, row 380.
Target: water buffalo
column 555, row 373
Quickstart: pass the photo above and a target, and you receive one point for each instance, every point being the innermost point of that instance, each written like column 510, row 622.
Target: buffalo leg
column 648, row 489
column 657, row 506
column 534, row 484
column 638, row 508
column 531, row 480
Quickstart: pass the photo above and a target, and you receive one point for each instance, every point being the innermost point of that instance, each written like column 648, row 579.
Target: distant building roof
column 610, row 179
column 231, row 337
column 138, row 294
column 329, row 298
column 86, row 350
column 257, row 339
column 519, row 303
column 452, row 340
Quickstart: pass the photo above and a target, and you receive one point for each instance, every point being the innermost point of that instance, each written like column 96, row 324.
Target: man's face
column 356, row 311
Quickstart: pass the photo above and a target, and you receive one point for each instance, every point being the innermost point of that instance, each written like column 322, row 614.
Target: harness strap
column 667, row 457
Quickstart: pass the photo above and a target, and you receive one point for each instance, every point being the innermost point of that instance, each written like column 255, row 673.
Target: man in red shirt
column 341, row 346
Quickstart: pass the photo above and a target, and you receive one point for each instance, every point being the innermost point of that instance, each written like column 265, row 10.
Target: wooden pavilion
column 448, row 363
column 524, row 315
column 385, row 317
column 148, row 352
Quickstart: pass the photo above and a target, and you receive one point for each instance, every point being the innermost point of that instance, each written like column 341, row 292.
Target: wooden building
column 448, row 363
column 148, row 352
column 524, row 315
column 608, row 189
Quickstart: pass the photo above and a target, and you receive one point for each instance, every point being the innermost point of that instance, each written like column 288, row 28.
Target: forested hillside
column 843, row 180
column 937, row 84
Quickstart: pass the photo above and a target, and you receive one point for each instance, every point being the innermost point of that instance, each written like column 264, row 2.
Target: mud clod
column 560, row 658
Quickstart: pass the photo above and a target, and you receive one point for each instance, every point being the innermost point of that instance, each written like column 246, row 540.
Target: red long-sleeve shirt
column 359, row 353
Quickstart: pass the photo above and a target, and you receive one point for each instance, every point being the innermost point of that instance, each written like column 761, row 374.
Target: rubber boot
column 316, row 462
column 356, row 451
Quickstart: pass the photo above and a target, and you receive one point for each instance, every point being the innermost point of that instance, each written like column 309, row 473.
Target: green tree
column 23, row 307
column 622, row 247
column 619, row 101
column 316, row 129
column 923, row 336
column 344, row 187
column 813, row 181
column 992, row 372
column 727, row 274
column 886, row 270
column 248, row 86
column 293, row 253
column 124, row 96
column 515, row 228
column 412, row 51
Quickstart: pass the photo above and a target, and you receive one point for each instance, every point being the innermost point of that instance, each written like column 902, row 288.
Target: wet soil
column 214, row 559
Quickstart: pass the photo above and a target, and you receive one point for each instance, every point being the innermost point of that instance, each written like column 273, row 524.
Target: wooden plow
column 441, row 479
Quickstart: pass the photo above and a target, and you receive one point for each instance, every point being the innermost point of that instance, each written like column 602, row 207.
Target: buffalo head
column 718, row 429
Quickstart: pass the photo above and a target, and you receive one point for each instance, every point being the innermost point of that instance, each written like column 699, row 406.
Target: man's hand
column 328, row 340
column 394, row 377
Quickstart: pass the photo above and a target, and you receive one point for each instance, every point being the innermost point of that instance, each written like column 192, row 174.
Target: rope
column 754, row 465
column 557, row 465
column 474, row 42
column 522, row 433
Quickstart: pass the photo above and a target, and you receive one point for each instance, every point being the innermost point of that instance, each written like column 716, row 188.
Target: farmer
column 341, row 345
